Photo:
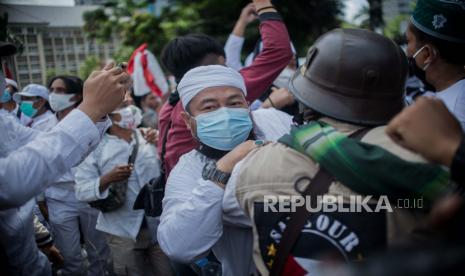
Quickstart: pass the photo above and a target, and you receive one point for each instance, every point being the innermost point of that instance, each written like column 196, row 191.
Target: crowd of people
column 225, row 174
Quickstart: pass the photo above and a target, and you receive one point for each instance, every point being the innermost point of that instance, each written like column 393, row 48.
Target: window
column 35, row 67
column 32, row 49
column 58, row 42
column 47, row 42
column 71, row 57
column 23, row 68
column 21, row 59
column 32, row 39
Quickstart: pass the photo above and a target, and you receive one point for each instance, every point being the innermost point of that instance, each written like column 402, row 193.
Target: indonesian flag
column 146, row 73
column 7, row 71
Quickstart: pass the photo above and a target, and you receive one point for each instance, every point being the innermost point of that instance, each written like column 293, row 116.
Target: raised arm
column 274, row 57
column 233, row 46
column 28, row 170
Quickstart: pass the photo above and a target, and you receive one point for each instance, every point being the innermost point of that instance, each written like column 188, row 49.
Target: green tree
column 376, row 14
column 90, row 64
column 394, row 28
column 305, row 19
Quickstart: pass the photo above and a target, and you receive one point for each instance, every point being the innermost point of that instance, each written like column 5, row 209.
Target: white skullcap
column 11, row 82
column 202, row 77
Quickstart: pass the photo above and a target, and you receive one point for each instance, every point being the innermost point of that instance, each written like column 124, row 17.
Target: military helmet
column 353, row 75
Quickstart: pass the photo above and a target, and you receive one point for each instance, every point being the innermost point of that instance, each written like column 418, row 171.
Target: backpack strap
column 135, row 149
column 319, row 186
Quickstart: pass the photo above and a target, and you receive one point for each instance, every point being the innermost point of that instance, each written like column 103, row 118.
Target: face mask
column 420, row 73
column 59, row 102
column 282, row 81
column 28, row 109
column 131, row 117
column 6, row 96
column 224, row 128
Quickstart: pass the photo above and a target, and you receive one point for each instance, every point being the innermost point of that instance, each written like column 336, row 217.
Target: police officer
column 352, row 82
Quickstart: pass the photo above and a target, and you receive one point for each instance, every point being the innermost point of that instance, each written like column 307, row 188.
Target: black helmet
column 353, row 75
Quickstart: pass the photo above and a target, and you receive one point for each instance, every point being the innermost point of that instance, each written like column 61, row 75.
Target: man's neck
column 122, row 133
column 63, row 113
column 9, row 106
column 40, row 112
column 446, row 75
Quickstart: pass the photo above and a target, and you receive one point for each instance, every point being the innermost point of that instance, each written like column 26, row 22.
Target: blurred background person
column 6, row 101
column 107, row 171
column 72, row 221
column 436, row 43
column 33, row 102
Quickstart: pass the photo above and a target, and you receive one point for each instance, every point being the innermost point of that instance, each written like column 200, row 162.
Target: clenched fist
column 428, row 128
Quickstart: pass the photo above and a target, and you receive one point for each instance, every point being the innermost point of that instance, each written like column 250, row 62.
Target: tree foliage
column 90, row 64
column 129, row 19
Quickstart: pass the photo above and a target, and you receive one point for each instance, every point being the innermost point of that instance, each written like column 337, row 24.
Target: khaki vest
column 273, row 169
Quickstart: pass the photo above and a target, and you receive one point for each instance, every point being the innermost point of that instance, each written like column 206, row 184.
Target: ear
column 431, row 54
column 40, row 103
column 187, row 119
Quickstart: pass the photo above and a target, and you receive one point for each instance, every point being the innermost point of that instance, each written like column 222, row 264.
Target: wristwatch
column 211, row 172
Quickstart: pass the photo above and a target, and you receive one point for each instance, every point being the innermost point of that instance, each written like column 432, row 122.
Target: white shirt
column 113, row 151
column 192, row 220
column 30, row 160
column 454, row 98
column 27, row 170
column 45, row 121
column 232, row 49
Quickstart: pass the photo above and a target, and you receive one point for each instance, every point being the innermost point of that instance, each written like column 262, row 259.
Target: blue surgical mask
column 27, row 108
column 224, row 128
column 6, row 96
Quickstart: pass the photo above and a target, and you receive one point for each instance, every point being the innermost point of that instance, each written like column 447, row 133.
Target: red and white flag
column 146, row 73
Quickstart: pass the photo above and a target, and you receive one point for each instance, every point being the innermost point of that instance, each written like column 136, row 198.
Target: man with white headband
column 218, row 116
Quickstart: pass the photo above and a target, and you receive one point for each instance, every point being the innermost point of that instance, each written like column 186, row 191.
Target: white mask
column 131, row 117
column 282, row 81
column 59, row 102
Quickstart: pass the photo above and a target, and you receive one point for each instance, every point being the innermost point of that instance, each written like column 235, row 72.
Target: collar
column 210, row 152
column 217, row 154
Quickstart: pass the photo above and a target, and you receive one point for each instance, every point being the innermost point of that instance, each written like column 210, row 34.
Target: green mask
column 28, row 109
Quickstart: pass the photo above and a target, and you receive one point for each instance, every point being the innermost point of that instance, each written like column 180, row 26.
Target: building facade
column 53, row 41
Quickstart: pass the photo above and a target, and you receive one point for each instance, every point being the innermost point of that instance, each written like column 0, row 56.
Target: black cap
column 7, row 49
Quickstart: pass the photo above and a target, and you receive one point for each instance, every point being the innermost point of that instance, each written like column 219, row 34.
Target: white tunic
column 113, row 151
column 44, row 122
column 192, row 221
column 454, row 98
column 29, row 161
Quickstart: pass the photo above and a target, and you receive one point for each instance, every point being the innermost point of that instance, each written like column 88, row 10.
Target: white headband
column 202, row 77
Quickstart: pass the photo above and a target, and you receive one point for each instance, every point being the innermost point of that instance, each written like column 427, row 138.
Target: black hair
column 451, row 52
column 14, row 89
column 186, row 52
column 73, row 84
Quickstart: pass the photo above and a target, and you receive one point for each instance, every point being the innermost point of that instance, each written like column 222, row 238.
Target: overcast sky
column 352, row 6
